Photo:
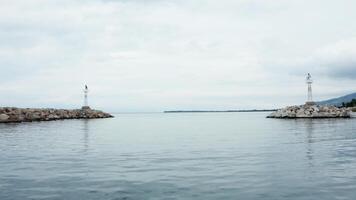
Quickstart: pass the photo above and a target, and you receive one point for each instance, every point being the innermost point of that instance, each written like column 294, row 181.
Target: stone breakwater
column 314, row 111
column 10, row 114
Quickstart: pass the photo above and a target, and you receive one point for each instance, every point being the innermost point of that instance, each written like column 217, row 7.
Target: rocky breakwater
column 11, row 114
column 311, row 111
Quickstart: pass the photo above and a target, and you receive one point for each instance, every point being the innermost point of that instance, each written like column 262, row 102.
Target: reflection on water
column 179, row 156
column 86, row 134
column 309, row 143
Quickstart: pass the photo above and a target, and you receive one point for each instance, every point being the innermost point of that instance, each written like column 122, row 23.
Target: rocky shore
column 12, row 114
column 311, row 111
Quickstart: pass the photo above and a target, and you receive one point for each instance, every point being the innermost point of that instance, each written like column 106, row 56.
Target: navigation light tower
column 309, row 81
column 86, row 90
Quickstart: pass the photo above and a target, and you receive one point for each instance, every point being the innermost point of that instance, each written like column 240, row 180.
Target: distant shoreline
column 219, row 111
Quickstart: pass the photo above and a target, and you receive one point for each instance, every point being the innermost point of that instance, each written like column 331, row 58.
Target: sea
column 156, row 156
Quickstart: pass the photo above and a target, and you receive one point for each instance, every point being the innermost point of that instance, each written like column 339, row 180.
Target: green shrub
column 350, row 104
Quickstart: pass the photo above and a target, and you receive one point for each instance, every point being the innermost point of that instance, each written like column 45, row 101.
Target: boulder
column 4, row 117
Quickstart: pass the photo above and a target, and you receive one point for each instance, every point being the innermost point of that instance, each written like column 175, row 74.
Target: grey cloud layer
column 152, row 55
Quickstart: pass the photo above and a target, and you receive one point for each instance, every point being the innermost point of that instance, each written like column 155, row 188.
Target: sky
column 155, row 55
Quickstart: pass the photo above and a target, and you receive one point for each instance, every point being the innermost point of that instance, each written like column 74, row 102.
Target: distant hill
column 338, row 101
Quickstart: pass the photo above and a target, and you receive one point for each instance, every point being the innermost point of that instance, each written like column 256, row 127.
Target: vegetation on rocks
column 352, row 103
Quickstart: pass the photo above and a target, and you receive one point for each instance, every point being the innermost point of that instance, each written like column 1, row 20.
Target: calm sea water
column 179, row 156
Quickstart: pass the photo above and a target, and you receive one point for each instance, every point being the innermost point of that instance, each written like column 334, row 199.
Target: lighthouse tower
column 309, row 82
column 86, row 105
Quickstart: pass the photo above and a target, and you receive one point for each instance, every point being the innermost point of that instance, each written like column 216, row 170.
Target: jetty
column 310, row 109
column 12, row 114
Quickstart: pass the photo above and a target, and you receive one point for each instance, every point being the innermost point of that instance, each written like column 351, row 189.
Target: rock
column 10, row 114
column 311, row 111
column 4, row 117
column 36, row 116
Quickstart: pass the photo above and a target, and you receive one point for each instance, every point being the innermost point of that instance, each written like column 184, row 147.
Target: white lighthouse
column 309, row 82
column 86, row 105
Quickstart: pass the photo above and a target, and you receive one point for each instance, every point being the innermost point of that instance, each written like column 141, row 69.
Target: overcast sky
column 154, row 55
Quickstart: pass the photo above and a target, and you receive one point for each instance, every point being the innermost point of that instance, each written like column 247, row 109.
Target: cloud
column 153, row 55
column 338, row 60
